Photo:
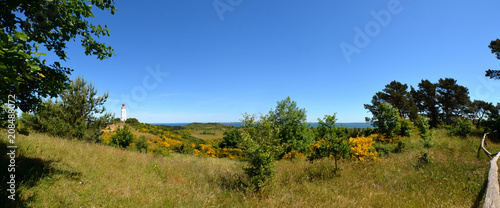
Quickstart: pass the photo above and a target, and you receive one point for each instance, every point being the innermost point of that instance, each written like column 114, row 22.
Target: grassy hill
column 56, row 172
column 208, row 131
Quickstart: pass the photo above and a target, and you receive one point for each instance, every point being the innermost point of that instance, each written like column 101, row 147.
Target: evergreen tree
column 79, row 113
column 396, row 94
column 453, row 99
column 495, row 49
column 425, row 99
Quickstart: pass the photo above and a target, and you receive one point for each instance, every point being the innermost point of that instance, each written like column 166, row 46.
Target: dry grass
column 51, row 170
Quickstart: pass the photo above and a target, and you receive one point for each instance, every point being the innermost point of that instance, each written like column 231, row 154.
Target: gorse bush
column 362, row 148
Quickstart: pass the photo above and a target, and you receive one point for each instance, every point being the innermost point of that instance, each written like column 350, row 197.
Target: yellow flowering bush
column 106, row 137
column 292, row 154
column 208, row 151
column 362, row 147
column 384, row 138
column 231, row 153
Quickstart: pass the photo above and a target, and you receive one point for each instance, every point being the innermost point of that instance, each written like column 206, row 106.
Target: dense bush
column 423, row 126
column 406, row 127
column 387, row 122
column 231, row 139
column 123, row 137
column 132, row 121
column 362, row 147
column 261, row 142
column 461, row 127
column 79, row 113
column 141, row 144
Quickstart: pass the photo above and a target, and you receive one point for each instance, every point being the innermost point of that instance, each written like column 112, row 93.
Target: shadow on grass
column 28, row 173
column 480, row 196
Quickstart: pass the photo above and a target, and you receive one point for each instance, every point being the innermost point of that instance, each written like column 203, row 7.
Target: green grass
column 49, row 172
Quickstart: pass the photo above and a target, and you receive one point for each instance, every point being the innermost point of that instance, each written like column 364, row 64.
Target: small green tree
column 331, row 141
column 292, row 125
column 261, row 142
column 423, row 126
column 123, row 137
column 387, row 121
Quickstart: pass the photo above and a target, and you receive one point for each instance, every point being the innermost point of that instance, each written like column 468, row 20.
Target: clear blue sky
column 264, row 51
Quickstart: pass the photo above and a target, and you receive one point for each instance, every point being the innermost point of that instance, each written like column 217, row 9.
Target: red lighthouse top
column 123, row 104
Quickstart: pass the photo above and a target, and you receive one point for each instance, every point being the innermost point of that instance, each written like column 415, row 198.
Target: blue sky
column 204, row 68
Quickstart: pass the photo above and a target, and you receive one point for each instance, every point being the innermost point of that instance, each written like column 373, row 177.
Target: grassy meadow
column 57, row 172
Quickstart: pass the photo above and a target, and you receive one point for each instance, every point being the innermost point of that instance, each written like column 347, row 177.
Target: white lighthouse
column 124, row 112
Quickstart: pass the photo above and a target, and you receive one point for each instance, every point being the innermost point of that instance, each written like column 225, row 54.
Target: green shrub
column 406, row 127
column 231, row 139
column 141, row 144
column 384, row 149
column 461, row 127
column 387, row 121
column 78, row 113
column 132, row 121
column 261, row 142
column 423, row 126
column 368, row 131
column 332, row 141
column 123, row 137
column 184, row 149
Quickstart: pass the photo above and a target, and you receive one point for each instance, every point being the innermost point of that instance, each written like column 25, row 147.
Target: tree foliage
column 331, row 141
column 78, row 113
column 422, row 123
column 387, row 121
column 123, row 137
column 27, row 24
column 262, row 143
column 495, row 49
column 453, row 99
column 396, row 94
column 292, row 125
column 231, row 139
column 481, row 111
column 425, row 98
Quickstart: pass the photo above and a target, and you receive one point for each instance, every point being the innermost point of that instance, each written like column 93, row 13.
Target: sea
column 238, row 124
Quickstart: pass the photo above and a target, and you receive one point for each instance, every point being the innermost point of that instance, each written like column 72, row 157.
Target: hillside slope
column 57, row 172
